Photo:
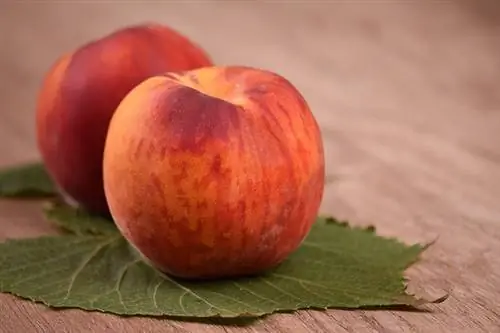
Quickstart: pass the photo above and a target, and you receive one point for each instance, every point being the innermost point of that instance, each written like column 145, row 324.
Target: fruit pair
column 209, row 171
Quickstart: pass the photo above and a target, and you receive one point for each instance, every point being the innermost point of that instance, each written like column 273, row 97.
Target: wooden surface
column 408, row 97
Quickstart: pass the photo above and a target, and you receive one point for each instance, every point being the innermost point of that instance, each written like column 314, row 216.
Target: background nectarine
column 81, row 92
column 214, row 172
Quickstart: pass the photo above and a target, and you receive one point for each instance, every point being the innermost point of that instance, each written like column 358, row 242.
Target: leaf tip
column 427, row 245
column 424, row 298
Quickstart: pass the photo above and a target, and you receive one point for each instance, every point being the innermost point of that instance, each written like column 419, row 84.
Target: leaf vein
column 280, row 290
column 120, row 280
column 177, row 284
column 254, row 293
column 155, row 293
column 234, row 299
column 181, row 302
column 85, row 262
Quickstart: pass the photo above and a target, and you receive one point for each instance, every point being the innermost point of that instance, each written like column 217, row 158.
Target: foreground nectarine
column 82, row 90
column 216, row 172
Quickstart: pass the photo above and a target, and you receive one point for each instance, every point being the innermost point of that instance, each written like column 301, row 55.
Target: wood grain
column 408, row 97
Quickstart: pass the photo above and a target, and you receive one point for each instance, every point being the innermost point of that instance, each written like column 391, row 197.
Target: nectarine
column 82, row 90
column 216, row 172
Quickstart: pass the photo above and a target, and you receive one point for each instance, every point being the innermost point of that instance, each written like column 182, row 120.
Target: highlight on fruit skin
column 214, row 173
column 81, row 91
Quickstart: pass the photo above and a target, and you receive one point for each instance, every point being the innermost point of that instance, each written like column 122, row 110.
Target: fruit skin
column 81, row 91
column 214, row 173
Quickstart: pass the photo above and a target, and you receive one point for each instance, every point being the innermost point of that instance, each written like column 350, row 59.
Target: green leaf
column 78, row 221
column 26, row 181
column 336, row 266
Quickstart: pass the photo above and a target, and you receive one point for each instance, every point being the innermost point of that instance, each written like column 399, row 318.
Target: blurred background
column 407, row 95
column 399, row 88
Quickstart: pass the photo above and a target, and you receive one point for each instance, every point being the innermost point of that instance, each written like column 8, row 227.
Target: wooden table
column 408, row 97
